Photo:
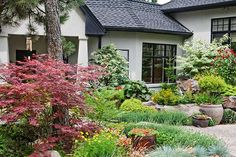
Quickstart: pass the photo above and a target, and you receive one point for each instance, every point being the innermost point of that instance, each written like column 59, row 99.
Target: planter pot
column 200, row 123
column 144, row 142
column 214, row 111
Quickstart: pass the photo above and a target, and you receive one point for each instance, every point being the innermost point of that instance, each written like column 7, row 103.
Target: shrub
column 103, row 105
column 170, row 152
column 211, row 84
column 225, row 65
column 164, row 117
column 40, row 93
column 166, row 97
column 135, row 105
column 230, row 90
column 203, row 98
column 137, row 89
column 198, row 56
column 115, row 64
column 174, row 136
column 100, row 145
column 187, row 98
column 219, row 150
column 229, row 116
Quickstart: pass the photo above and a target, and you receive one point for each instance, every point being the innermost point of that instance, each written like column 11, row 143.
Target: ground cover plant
column 161, row 117
column 175, row 136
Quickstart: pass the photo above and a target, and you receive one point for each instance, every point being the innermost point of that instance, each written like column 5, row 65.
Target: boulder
column 230, row 103
column 51, row 153
column 189, row 85
column 149, row 103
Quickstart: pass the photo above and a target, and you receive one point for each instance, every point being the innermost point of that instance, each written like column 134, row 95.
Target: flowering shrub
column 40, row 93
column 225, row 65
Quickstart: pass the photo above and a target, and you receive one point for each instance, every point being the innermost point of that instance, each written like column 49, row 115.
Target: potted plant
column 201, row 120
column 143, row 138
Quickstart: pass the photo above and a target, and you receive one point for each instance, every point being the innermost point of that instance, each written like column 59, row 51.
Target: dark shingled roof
column 187, row 5
column 134, row 15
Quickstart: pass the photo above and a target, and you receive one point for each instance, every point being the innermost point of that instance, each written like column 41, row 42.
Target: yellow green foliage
column 135, row 105
column 166, row 97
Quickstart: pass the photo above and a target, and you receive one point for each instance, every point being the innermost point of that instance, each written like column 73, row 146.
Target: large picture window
column 222, row 26
column 157, row 57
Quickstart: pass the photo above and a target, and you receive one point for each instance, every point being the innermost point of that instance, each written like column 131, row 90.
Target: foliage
column 216, row 150
column 40, row 92
column 15, row 11
column 230, row 90
column 115, row 64
column 225, row 65
column 15, row 139
column 69, row 48
column 174, row 136
column 100, row 145
column 211, row 84
column 170, row 70
column 187, row 98
column 135, row 105
column 137, row 89
column 198, row 56
column 166, row 97
column 103, row 104
column 229, row 116
column 219, row 150
column 170, row 152
column 142, row 132
column 164, row 117
column 203, row 98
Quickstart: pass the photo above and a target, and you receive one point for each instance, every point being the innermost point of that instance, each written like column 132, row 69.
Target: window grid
column 156, row 53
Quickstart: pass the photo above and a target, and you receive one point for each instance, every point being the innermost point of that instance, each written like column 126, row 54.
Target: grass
column 175, row 136
column 162, row 117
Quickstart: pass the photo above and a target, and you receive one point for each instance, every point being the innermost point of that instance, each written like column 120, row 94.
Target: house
column 147, row 34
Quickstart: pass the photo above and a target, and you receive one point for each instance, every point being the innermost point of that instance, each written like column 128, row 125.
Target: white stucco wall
column 199, row 22
column 134, row 42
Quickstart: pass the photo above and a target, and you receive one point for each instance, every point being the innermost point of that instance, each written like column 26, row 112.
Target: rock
column 52, row 153
column 149, row 103
column 230, row 103
column 189, row 109
column 189, row 85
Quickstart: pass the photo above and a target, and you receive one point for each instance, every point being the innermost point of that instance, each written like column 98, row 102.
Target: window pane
column 220, row 21
column 158, row 70
column 170, row 50
column 159, row 50
column 233, row 41
column 233, row 27
column 217, row 36
column 147, row 70
column 214, row 28
column 233, row 21
column 147, row 49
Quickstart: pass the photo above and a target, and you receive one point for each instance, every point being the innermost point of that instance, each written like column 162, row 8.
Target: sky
column 163, row 1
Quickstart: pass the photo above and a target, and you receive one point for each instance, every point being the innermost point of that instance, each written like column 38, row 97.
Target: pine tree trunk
column 53, row 29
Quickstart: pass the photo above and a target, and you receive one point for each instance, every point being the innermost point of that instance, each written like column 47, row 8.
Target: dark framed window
column 157, row 57
column 222, row 26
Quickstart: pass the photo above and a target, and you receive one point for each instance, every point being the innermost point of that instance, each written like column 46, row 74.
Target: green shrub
column 203, row 98
column 170, row 152
column 187, row 98
column 230, row 90
column 219, row 150
column 103, row 104
column 163, row 117
column 116, row 65
column 174, row 136
column 229, row 116
column 101, row 145
column 135, row 105
column 15, row 140
column 166, row 97
column 137, row 89
column 211, row 84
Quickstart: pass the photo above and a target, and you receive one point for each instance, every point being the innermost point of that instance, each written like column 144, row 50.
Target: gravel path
column 226, row 133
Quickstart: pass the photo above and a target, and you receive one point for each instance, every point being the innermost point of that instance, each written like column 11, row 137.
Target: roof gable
column 134, row 15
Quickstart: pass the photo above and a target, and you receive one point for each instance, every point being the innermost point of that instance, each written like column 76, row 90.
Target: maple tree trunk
column 53, row 29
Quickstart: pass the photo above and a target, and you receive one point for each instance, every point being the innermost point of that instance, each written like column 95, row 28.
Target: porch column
column 83, row 52
column 4, row 50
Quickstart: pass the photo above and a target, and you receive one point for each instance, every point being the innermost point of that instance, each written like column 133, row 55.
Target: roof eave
column 131, row 29
column 200, row 7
